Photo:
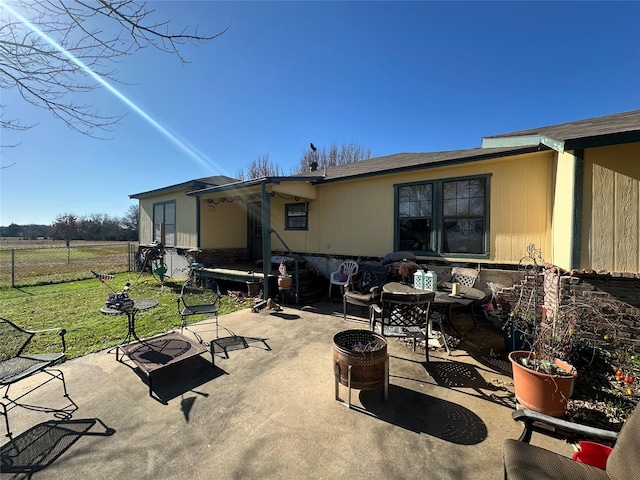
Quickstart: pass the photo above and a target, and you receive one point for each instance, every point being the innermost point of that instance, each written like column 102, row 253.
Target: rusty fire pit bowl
column 366, row 352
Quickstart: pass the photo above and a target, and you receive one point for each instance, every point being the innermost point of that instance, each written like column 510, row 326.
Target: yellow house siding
column 145, row 225
column 356, row 218
column 223, row 225
column 296, row 240
column 519, row 206
column 564, row 202
column 611, row 209
column 295, row 189
column 186, row 222
column 185, row 218
column 626, row 225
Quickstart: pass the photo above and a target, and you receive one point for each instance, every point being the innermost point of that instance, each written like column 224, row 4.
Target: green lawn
column 75, row 306
column 36, row 266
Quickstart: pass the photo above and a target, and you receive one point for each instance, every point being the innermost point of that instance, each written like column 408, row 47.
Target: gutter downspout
column 266, row 237
column 197, row 221
column 576, row 208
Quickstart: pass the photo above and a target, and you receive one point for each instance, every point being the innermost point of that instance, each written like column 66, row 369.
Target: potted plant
column 542, row 379
column 284, row 279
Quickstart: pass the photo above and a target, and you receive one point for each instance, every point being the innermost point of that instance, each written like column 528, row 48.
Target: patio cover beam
column 266, row 238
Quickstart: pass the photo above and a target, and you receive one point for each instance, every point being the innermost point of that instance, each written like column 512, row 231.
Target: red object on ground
column 592, row 453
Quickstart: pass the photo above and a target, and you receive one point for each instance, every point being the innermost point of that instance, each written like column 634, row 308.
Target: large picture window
column 164, row 223
column 296, row 216
column 443, row 216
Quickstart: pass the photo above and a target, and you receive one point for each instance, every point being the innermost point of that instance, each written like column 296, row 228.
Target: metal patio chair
column 368, row 289
column 467, row 277
column 188, row 306
column 15, row 365
column 403, row 315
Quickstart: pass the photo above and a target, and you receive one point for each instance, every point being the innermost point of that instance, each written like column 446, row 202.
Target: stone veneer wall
column 557, row 287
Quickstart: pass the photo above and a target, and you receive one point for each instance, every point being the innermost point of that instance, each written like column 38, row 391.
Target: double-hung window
column 443, row 216
column 297, row 216
column 164, row 223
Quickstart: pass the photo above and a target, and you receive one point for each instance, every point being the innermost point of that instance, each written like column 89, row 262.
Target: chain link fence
column 42, row 264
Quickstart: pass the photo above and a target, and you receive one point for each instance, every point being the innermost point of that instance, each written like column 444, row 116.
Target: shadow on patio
column 414, row 411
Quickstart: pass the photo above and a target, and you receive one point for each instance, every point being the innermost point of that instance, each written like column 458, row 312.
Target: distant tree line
column 68, row 227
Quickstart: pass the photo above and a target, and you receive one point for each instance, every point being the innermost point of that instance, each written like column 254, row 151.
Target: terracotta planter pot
column 539, row 391
column 284, row 283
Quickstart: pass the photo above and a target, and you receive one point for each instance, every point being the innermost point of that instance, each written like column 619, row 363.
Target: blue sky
column 391, row 77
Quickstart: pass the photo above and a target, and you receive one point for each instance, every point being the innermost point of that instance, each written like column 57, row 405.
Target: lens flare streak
column 201, row 159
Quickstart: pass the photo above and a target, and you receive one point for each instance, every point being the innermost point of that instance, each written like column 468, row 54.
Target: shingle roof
column 197, row 184
column 617, row 128
column 577, row 134
column 412, row 161
column 592, row 127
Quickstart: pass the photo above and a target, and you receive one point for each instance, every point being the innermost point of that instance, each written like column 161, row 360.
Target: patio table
column 443, row 297
column 131, row 311
column 467, row 295
column 155, row 353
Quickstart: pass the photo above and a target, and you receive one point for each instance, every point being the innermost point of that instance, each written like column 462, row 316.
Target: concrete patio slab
column 267, row 410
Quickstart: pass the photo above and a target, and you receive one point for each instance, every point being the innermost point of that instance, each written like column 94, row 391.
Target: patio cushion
column 358, row 296
column 624, row 460
column 523, row 461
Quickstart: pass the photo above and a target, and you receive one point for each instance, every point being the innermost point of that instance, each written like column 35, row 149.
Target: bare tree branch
column 260, row 167
column 52, row 49
column 332, row 156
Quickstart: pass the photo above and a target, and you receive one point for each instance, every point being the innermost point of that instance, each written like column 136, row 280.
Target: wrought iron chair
column 403, row 315
column 15, row 365
column 523, row 461
column 344, row 275
column 190, row 303
column 367, row 291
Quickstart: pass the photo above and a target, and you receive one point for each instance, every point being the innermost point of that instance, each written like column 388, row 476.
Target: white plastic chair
column 344, row 275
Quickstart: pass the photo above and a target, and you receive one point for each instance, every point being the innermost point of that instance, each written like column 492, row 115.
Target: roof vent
column 314, row 166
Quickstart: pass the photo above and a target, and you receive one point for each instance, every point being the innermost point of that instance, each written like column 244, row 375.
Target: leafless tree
column 318, row 157
column 131, row 219
column 332, row 156
column 260, row 167
column 51, row 50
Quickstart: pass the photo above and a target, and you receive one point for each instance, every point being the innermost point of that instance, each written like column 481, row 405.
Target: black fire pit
column 360, row 361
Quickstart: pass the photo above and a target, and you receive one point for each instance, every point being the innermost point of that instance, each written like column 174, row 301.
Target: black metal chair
column 195, row 300
column 403, row 315
column 368, row 289
column 15, row 365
